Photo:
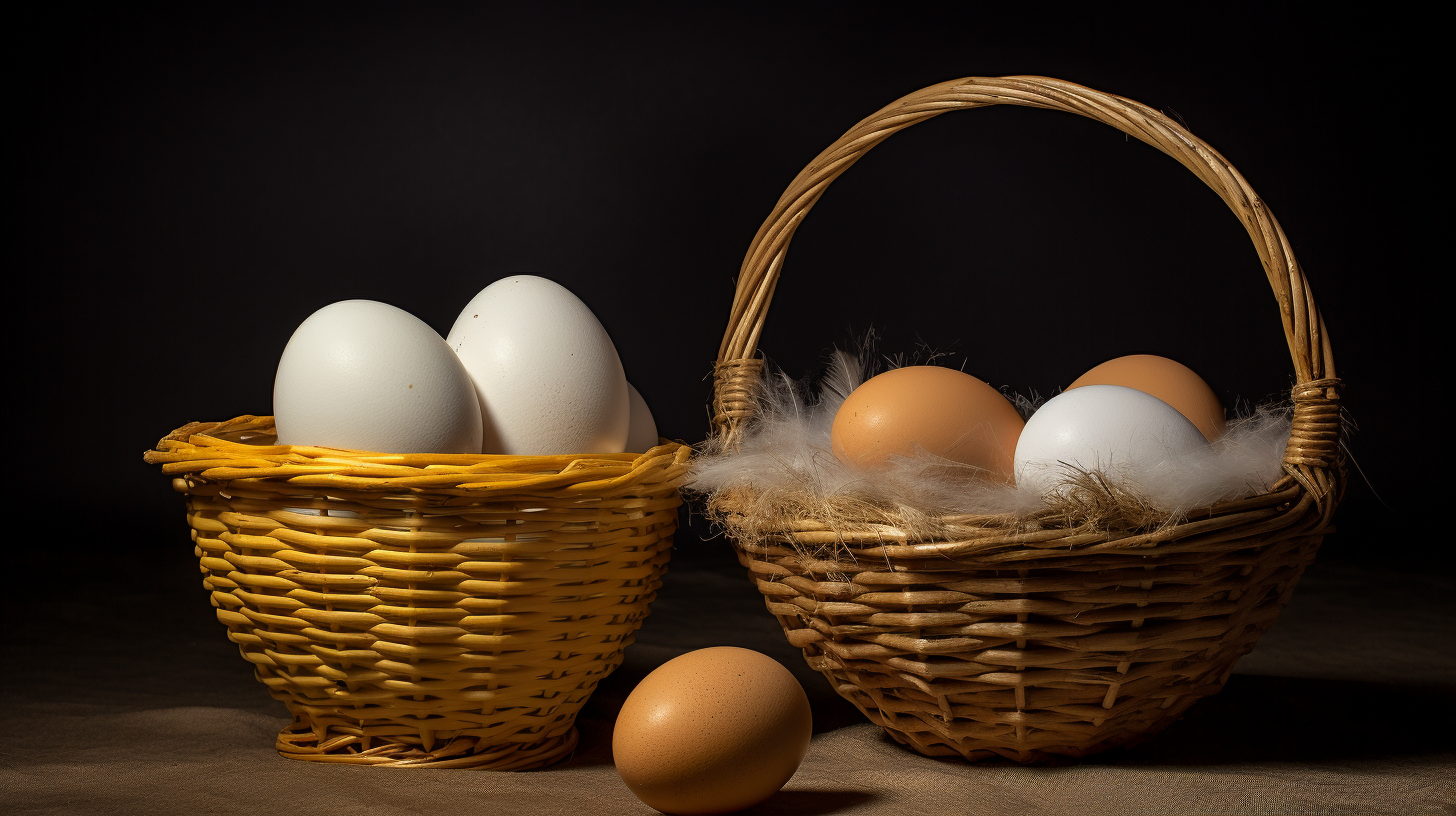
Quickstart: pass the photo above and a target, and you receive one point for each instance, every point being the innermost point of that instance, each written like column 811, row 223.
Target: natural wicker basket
column 995, row 641
column 425, row 610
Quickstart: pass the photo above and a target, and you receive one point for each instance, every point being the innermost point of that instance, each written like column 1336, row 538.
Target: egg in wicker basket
column 425, row 610
column 1032, row 638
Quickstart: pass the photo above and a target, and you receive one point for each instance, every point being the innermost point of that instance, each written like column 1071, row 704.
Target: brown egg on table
column 1168, row 380
column 928, row 410
column 712, row 731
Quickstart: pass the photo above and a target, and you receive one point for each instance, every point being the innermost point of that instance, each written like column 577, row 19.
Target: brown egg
column 712, row 731
column 928, row 409
column 1168, row 380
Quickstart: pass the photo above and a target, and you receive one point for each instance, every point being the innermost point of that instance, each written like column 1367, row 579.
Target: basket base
column 300, row 741
column 1055, row 756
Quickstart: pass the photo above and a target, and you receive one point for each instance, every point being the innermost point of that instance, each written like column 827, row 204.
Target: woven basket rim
column 222, row 452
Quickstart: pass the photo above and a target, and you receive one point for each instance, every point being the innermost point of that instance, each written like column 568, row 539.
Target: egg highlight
column 547, row 376
column 1120, row 432
column 365, row 375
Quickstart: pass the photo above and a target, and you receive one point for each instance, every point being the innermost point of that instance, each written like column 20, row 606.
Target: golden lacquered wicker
column 425, row 610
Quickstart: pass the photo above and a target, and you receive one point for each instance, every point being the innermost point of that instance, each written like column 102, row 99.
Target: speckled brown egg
column 928, row 410
column 712, row 731
column 1168, row 380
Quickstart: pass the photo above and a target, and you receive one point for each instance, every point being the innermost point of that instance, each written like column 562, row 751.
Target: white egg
column 642, row 429
column 1120, row 432
column 364, row 375
column 547, row 374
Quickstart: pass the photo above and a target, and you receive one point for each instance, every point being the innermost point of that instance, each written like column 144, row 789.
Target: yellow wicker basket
column 997, row 641
column 425, row 610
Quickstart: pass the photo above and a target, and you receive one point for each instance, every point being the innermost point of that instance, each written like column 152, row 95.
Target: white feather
column 786, row 450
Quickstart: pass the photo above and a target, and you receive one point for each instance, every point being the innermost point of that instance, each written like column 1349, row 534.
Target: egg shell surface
column 1168, row 380
column 1118, row 431
column 642, row 428
column 365, row 375
column 547, row 374
column 712, row 731
column 931, row 410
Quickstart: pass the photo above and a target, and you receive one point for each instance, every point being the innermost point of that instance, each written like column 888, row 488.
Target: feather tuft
column 783, row 469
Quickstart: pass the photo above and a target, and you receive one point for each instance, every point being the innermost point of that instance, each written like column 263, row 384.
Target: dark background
column 190, row 185
column 194, row 184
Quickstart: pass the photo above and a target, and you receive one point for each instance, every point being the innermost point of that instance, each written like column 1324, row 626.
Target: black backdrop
column 193, row 184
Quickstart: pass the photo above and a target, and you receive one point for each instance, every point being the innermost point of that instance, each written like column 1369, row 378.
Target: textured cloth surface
column 129, row 699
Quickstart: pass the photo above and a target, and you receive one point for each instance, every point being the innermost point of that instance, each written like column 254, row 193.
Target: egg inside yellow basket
column 365, row 375
column 642, row 428
column 547, row 374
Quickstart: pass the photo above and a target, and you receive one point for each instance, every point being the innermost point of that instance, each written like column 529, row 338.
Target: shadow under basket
column 1033, row 638
column 425, row 610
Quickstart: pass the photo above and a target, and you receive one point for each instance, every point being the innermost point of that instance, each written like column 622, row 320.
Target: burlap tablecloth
column 125, row 697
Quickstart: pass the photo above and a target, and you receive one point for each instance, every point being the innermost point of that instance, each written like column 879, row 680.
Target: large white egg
column 547, row 374
column 365, row 375
column 1123, row 433
column 642, row 428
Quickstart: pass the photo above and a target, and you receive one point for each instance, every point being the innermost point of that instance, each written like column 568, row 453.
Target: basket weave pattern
column 1037, row 639
column 425, row 610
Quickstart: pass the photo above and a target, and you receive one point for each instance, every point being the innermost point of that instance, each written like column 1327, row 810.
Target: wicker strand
column 1314, row 456
column 1314, row 440
column 735, row 391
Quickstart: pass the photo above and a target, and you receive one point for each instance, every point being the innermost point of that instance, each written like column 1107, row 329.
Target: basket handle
column 1315, row 441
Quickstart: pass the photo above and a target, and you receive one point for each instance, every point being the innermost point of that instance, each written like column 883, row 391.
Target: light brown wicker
column 999, row 641
column 425, row 610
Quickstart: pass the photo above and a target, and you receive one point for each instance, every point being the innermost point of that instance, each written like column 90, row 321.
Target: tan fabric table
column 1345, row 707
